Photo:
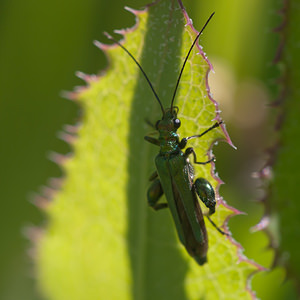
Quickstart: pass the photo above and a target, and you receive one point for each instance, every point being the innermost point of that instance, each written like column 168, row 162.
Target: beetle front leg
column 148, row 122
column 154, row 193
column 152, row 140
column 183, row 142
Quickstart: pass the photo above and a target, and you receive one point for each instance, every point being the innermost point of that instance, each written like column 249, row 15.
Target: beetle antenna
column 186, row 58
column 138, row 64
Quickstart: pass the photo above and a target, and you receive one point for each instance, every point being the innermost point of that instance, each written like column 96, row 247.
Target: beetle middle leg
column 190, row 151
column 154, row 193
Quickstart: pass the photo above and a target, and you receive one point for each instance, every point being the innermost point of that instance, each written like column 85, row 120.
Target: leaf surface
column 102, row 241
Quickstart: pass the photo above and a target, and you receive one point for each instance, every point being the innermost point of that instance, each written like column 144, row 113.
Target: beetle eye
column 177, row 123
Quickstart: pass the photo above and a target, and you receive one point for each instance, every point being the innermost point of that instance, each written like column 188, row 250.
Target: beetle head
column 169, row 121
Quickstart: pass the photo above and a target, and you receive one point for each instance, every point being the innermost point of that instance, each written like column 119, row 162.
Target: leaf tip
column 72, row 96
column 58, row 158
column 39, row 201
column 100, row 45
column 263, row 224
column 86, row 77
column 132, row 10
column 68, row 138
column 33, row 234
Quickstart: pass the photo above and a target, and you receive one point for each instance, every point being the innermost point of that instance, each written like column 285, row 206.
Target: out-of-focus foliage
column 42, row 44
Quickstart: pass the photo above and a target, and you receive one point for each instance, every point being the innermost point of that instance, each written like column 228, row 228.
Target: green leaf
column 102, row 241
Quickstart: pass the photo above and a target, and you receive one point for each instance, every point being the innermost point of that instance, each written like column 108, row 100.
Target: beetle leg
column 153, row 176
column 148, row 122
column 214, row 224
column 152, row 140
column 190, row 151
column 154, row 193
column 202, row 187
column 206, row 193
column 183, row 142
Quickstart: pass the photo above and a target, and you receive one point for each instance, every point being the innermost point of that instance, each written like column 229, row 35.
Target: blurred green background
column 43, row 43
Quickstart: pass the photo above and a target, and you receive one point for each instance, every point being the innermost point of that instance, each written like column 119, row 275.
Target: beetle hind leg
column 214, row 224
column 154, row 193
column 153, row 176
column 206, row 193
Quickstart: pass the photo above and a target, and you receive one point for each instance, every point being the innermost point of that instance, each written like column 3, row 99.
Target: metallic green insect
column 174, row 175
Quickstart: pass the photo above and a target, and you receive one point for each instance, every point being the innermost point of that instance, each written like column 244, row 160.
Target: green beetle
column 174, row 175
